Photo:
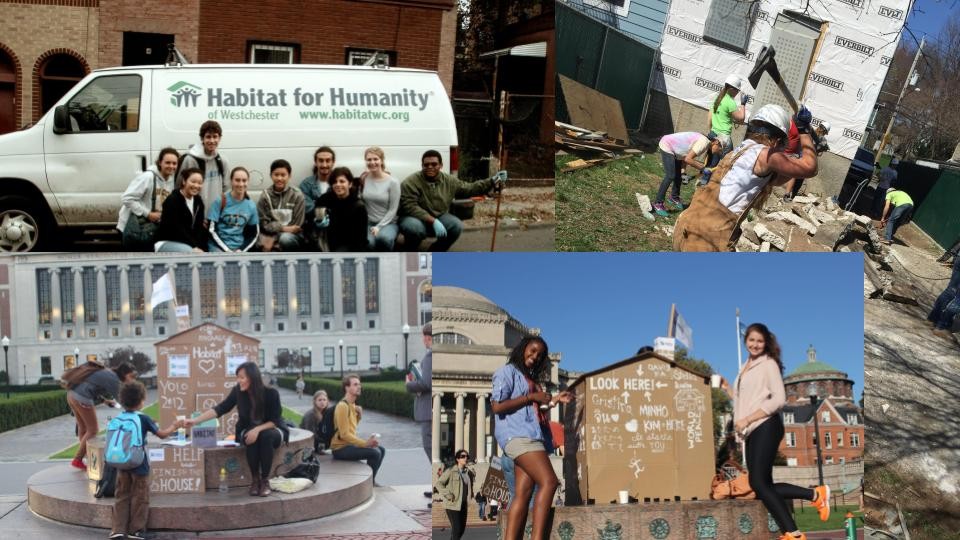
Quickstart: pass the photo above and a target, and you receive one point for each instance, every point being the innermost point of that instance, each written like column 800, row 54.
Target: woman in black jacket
column 260, row 426
column 181, row 220
column 346, row 220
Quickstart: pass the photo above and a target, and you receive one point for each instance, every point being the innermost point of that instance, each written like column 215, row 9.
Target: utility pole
column 896, row 109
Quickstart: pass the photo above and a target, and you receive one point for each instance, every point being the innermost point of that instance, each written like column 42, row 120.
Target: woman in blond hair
column 381, row 195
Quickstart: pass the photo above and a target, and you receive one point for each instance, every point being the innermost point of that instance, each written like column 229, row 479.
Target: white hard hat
column 734, row 81
column 826, row 126
column 774, row 115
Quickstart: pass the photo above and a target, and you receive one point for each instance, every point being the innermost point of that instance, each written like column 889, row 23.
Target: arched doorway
column 8, row 93
column 58, row 74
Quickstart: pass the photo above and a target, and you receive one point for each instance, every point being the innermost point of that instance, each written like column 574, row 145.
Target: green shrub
column 389, row 397
column 29, row 388
column 25, row 409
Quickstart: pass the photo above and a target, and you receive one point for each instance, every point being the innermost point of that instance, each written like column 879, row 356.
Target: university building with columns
column 472, row 338
column 52, row 305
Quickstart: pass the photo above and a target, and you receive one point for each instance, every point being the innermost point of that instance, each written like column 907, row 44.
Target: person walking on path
column 456, row 488
column 423, row 403
column 300, row 386
column 482, row 503
column 897, row 211
column 758, row 395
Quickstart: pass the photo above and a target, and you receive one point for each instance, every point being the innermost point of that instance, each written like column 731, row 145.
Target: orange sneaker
column 822, row 502
column 788, row 536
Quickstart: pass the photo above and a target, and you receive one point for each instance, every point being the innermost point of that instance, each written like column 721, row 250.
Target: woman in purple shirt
column 522, row 431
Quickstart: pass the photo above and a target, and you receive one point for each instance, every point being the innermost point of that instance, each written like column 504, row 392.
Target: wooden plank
column 590, row 109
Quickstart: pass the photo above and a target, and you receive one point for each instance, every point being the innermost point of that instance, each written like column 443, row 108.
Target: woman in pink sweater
column 758, row 396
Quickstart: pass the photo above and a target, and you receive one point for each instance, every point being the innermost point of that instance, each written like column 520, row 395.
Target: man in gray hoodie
column 213, row 165
column 422, row 386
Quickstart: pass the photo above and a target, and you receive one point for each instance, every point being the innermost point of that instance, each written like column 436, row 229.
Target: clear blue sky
column 929, row 16
column 599, row 308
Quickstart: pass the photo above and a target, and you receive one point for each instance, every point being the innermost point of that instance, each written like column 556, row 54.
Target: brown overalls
column 707, row 225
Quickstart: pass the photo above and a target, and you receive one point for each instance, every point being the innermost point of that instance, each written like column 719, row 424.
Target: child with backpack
column 125, row 450
column 319, row 421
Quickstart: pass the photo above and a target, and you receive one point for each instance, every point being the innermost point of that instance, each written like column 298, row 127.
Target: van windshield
column 109, row 103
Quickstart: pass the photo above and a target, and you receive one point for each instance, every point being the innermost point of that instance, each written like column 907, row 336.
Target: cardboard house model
column 644, row 425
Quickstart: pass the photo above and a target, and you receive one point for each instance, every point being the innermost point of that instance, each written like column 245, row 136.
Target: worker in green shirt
column 425, row 199
column 897, row 211
column 723, row 113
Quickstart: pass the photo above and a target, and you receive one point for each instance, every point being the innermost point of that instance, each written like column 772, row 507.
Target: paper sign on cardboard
column 179, row 366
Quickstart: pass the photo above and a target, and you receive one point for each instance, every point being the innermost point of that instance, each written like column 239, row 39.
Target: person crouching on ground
column 758, row 395
column 897, row 211
column 744, row 179
column 345, row 444
column 678, row 150
column 523, row 432
column 260, row 428
column 132, row 502
column 456, row 488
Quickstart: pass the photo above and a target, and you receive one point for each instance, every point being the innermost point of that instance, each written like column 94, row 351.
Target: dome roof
column 457, row 298
column 812, row 365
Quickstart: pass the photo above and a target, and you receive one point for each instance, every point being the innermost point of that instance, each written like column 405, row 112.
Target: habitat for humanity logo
column 184, row 94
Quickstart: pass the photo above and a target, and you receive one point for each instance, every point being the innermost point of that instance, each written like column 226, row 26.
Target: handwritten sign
column 178, row 470
column 204, row 436
column 233, row 362
column 494, row 484
column 645, row 426
column 178, row 366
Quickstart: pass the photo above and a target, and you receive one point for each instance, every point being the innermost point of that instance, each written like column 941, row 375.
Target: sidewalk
column 396, row 511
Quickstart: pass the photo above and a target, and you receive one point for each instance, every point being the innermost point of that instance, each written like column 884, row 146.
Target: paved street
column 397, row 511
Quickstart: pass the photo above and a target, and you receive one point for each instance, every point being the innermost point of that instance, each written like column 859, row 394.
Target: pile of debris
column 807, row 223
column 597, row 145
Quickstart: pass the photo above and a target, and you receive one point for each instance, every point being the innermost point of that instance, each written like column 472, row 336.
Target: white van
column 70, row 168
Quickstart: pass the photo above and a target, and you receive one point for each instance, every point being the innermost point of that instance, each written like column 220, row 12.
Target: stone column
column 337, row 295
column 315, row 295
column 361, row 297
column 221, row 294
column 467, row 419
column 481, row 428
column 195, row 297
column 102, row 302
column 79, row 324
column 458, row 424
column 435, row 433
column 268, row 295
column 245, row 302
column 124, row 303
column 293, row 302
column 147, row 306
column 56, row 310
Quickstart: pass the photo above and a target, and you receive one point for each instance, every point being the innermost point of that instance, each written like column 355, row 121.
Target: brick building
column 48, row 45
column 840, row 418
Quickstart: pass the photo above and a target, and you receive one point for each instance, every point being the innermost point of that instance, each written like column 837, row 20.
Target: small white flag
column 162, row 291
column 682, row 331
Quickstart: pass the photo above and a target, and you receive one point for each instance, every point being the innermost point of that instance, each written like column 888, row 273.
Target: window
column 791, row 462
column 839, row 439
column 44, row 302
column 69, row 333
column 424, row 261
column 371, row 324
column 827, row 440
column 91, row 332
column 303, row 325
column 326, row 289
column 162, row 330
column 208, row 292
column 349, row 282
column 46, row 334
column 67, row 302
column 730, row 23
column 349, row 325
column 791, row 439
column 135, row 286
column 371, row 281
column 183, row 276
column 425, row 317
column 112, row 286
column 374, row 355
column 303, row 288
column 45, row 365
column 328, row 356
column 89, row 281
column 273, row 53
column 255, row 292
column 138, row 330
column 58, row 74
column 453, row 338
column 110, row 103
column 852, row 419
column 114, row 332
column 256, row 327
column 788, row 418
column 232, row 295
column 828, row 460
column 351, row 356
column 825, row 417
column 280, row 302
column 160, row 313
column 854, row 440
column 281, row 326
column 326, row 325
column 426, row 292
column 306, row 356
column 261, row 358
column 368, row 57
column 620, row 7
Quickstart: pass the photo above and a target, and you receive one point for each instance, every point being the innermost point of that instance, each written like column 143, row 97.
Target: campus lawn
column 153, row 411
column 808, row 520
column 597, row 207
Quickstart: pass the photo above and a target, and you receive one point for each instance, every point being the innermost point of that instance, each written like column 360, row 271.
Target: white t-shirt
column 739, row 186
column 680, row 144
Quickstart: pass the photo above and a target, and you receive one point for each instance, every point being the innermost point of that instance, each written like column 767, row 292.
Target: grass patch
column 597, row 207
column 153, row 411
column 808, row 520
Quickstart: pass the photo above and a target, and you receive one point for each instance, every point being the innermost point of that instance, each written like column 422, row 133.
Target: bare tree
column 141, row 362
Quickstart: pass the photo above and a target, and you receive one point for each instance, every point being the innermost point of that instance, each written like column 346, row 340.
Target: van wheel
column 23, row 226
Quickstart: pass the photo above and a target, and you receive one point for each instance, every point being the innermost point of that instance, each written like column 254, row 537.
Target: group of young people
column 195, row 202
column 778, row 149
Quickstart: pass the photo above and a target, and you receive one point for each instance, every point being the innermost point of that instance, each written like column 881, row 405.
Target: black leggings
column 762, row 444
column 458, row 520
column 260, row 453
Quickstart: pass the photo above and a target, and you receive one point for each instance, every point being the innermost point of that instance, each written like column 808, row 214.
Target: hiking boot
column 264, row 487
column 787, row 198
column 822, row 501
column 78, row 463
column 660, row 209
column 675, row 202
column 255, row 487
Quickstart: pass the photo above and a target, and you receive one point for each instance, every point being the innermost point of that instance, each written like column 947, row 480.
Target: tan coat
column 449, row 486
column 758, row 386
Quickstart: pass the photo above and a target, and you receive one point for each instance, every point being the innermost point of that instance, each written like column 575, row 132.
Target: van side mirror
column 61, row 120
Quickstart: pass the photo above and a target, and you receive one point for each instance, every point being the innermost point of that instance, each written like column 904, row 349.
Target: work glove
column 802, row 119
column 439, row 229
column 744, row 98
column 322, row 224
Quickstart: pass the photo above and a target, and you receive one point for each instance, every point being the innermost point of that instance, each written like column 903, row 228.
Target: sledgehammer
column 767, row 63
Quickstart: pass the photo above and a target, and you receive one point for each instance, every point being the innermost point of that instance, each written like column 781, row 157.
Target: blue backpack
column 124, row 448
